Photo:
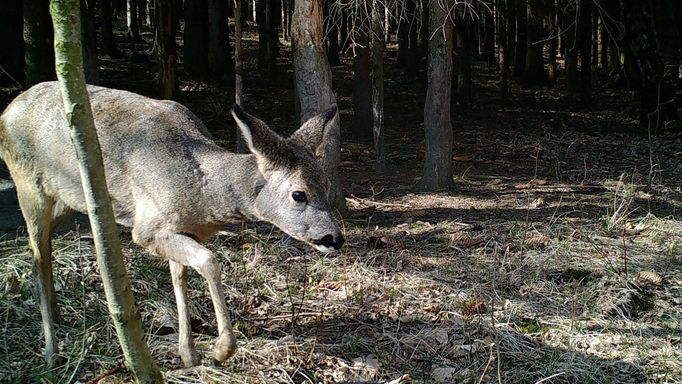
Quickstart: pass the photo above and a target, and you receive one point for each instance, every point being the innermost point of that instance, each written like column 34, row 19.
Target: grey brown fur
column 168, row 181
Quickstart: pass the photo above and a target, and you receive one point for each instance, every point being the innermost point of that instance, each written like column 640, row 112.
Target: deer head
column 292, row 192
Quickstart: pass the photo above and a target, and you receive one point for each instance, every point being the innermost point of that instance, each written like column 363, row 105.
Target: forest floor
column 555, row 258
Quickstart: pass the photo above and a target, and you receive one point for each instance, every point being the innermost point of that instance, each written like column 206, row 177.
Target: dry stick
column 110, row 372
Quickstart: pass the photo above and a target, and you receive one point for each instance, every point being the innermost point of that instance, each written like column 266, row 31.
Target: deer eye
column 299, row 196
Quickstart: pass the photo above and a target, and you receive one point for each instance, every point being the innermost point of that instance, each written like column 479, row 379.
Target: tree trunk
column 585, row 48
column 362, row 97
column 332, row 33
column 488, row 37
column 511, row 31
column 595, row 39
column 667, row 23
column 553, row 42
column 378, row 86
column 108, row 45
column 570, row 32
column 168, row 82
column 464, row 40
column 38, row 37
column 238, row 66
column 503, row 58
column 657, row 93
column 89, row 42
column 132, row 22
column 534, row 72
column 271, row 20
column 142, row 14
column 437, row 173
column 12, row 44
column 110, row 260
column 521, row 41
column 603, row 44
column 313, row 80
column 219, row 58
column 412, row 57
column 196, row 38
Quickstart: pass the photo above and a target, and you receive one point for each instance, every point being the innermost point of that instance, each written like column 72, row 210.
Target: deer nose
column 328, row 241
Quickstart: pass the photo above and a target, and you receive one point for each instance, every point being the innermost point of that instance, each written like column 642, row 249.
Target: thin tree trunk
column 332, row 33
column 534, row 72
column 110, row 260
column 501, row 7
column 571, row 47
column 595, row 39
column 12, row 44
column 412, row 58
column 313, row 78
column 38, row 37
column 437, row 172
column 511, row 31
column 362, row 98
column 378, row 87
column 108, row 45
column 196, row 38
column 132, row 22
column 238, row 66
column 553, row 42
column 585, row 49
column 464, row 37
column 488, row 37
column 219, row 58
column 603, row 44
column 521, row 40
column 89, row 43
column 168, row 82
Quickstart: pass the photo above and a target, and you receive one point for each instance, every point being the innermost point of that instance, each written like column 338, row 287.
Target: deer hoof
column 225, row 346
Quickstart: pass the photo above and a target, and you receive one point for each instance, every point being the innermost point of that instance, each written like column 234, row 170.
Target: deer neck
column 231, row 186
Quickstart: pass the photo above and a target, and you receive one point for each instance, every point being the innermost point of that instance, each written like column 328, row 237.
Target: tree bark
column 196, row 38
column 38, row 38
column 464, row 40
column 534, row 72
column 570, row 32
column 521, row 40
column 117, row 287
column 89, row 42
column 553, row 42
column 412, row 42
column 168, row 82
column 585, row 49
column 332, row 33
column 132, row 21
column 511, row 31
column 219, row 59
column 437, row 173
column 12, row 44
column 362, row 97
column 238, row 66
column 503, row 58
column 313, row 80
column 108, row 44
column 378, row 87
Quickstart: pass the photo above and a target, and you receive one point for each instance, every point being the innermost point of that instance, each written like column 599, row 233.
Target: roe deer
column 168, row 181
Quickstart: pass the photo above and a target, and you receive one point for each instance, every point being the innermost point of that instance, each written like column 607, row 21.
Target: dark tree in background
column 220, row 63
column 534, row 71
column 196, row 38
column 108, row 44
column 585, row 49
column 362, row 93
column 165, row 35
column 89, row 42
column 12, row 42
column 38, row 37
column 437, row 173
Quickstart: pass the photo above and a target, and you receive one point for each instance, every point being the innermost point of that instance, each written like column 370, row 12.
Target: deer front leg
column 188, row 353
column 187, row 252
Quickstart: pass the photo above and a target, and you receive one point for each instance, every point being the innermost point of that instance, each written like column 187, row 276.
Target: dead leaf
column 375, row 242
column 474, row 307
column 536, row 241
column 443, row 374
column 463, row 158
column 463, row 240
column 539, row 202
column 649, row 277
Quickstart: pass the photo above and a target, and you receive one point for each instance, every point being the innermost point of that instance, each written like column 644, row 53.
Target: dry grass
column 497, row 300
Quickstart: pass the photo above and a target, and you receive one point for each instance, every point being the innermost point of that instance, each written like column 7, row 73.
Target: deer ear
column 261, row 140
column 312, row 133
